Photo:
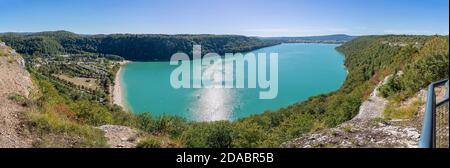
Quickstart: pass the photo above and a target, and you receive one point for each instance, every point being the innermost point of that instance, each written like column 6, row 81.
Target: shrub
column 298, row 125
column 121, row 117
column 194, row 136
column 391, row 87
column 145, row 122
column 22, row 100
column 347, row 128
column 149, row 142
column 248, row 134
column 220, row 135
column 170, row 125
column 11, row 60
column 92, row 113
column 212, row 135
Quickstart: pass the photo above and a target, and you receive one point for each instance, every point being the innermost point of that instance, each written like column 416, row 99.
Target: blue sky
column 245, row 17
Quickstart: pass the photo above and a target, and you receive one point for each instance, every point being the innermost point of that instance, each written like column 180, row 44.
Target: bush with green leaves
column 217, row 134
column 145, row 122
column 173, row 126
column 149, row 142
column 92, row 113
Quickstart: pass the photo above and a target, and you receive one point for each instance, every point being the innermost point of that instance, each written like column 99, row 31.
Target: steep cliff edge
column 15, row 83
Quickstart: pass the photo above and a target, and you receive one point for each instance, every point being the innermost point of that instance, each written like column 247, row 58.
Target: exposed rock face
column 360, row 134
column 14, row 80
column 120, row 136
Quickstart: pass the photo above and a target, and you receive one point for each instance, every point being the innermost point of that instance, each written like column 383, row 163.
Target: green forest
column 134, row 47
column 421, row 59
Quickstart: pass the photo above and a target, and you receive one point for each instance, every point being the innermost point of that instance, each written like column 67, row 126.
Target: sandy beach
column 117, row 91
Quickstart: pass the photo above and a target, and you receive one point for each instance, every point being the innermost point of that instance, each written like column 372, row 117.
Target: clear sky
column 245, row 17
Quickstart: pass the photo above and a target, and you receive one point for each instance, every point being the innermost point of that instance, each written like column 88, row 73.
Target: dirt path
column 374, row 106
column 14, row 80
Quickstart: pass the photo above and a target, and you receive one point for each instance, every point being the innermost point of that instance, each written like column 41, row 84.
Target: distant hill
column 18, row 33
column 135, row 47
column 336, row 38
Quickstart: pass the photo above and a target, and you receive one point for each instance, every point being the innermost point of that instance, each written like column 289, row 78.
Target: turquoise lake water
column 304, row 70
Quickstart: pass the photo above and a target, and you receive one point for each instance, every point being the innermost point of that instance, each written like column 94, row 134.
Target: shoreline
column 118, row 93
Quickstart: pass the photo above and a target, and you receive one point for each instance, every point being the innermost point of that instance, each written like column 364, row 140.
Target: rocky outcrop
column 14, row 81
column 120, row 136
column 360, row 134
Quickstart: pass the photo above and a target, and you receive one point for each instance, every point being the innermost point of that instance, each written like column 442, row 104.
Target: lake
column 305, row 70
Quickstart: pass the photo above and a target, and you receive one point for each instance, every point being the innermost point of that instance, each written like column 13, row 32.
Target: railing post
column 433, row 119
column 446, row 87
column 427, row 135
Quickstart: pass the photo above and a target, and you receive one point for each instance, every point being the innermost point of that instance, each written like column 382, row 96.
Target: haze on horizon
column 246, row 17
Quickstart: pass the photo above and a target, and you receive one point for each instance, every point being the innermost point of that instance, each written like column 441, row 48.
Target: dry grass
column 395, row 111
column 4, row 51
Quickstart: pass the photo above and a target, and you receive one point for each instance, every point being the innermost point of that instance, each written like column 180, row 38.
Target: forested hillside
column 135, row 47
column 336, row 38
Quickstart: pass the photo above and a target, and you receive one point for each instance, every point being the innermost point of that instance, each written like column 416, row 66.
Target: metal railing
column 435, row 132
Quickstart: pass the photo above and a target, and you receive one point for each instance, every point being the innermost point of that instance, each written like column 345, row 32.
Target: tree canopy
column 135, row 47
